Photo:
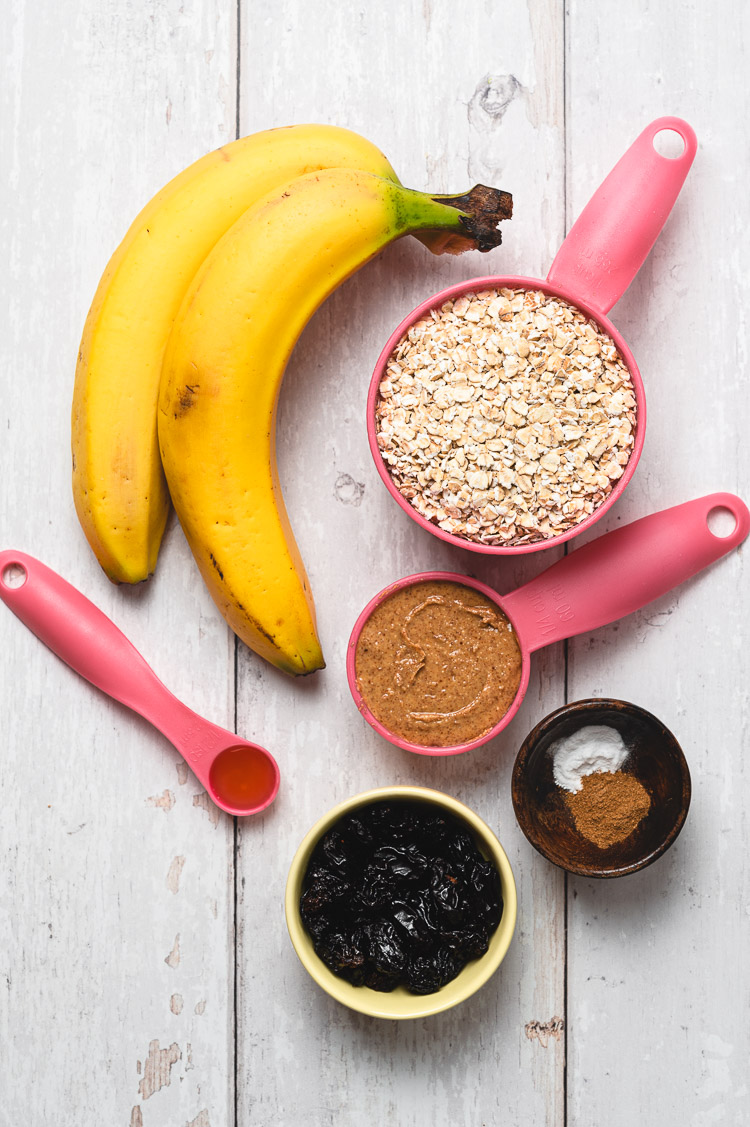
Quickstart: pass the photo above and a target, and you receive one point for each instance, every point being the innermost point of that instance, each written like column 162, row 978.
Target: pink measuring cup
column 91, row 644
column 600, row 257
column 604, row 580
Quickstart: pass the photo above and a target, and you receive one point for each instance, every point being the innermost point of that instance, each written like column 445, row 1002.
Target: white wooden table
column 146, row 976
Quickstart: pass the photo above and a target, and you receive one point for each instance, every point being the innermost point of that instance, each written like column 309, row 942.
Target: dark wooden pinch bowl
column 655, row 759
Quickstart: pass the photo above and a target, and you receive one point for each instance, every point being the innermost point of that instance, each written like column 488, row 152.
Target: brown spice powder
column 609, row 806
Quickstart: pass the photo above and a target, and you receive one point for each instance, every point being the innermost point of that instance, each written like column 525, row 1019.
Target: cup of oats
column 507, row 414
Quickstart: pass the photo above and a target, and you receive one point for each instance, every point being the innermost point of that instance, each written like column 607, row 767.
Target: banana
column 118, row 484
column 223, row 368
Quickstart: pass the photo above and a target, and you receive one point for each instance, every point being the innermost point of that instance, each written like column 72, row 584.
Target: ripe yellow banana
column 223, row 368
column 118, row 484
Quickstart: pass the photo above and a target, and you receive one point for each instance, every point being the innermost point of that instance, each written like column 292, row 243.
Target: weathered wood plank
column 115, row 941
column 118, row 899
column 452, row 98
column 658, row 979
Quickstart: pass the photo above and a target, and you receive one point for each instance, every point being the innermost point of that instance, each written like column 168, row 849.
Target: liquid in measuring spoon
column 243, row 777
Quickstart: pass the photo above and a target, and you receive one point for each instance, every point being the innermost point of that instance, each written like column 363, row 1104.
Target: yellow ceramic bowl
column 401, row 1003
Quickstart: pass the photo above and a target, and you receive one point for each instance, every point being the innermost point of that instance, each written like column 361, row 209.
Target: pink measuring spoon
column 240, row 777
column 598, row 260
column 604, row 580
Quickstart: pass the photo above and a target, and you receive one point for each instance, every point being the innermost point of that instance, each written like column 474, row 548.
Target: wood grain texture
column 102, row 103
column 658, row 987
column 451, row 101
column 119, row 933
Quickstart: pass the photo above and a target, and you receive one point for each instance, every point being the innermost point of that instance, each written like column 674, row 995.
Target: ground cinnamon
column 608, row 807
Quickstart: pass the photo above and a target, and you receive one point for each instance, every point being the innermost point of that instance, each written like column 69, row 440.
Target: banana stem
column 478, row 213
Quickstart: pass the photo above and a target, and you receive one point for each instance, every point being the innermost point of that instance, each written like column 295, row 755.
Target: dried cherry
column 397, row 893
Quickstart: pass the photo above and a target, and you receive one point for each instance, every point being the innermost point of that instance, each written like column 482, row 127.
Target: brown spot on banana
column 185, row 400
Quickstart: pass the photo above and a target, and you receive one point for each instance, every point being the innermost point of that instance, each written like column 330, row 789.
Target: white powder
column 593, row 748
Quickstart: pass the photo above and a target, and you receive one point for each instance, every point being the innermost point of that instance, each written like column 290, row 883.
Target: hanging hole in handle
column 669, row 143
column 13, row 575
column 721, row 522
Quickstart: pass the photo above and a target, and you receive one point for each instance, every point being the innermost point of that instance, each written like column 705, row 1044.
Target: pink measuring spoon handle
column 622, row 571
column 609, row 241
column 90, row 643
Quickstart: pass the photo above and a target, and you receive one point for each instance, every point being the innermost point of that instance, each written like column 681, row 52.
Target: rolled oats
column 506, row 417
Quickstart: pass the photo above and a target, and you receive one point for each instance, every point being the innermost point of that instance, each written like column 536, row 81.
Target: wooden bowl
column 655, row 759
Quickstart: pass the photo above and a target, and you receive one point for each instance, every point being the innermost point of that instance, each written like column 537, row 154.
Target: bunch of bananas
column 186, row 343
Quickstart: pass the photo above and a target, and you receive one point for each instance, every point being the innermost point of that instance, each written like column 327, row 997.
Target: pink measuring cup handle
column 90, row 643
column 622, row 571
column 609, row 241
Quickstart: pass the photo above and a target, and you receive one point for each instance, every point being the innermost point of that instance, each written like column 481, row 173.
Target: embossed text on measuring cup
column 550, row 606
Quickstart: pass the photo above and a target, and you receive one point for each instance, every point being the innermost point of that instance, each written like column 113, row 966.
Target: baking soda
column 596, row 747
